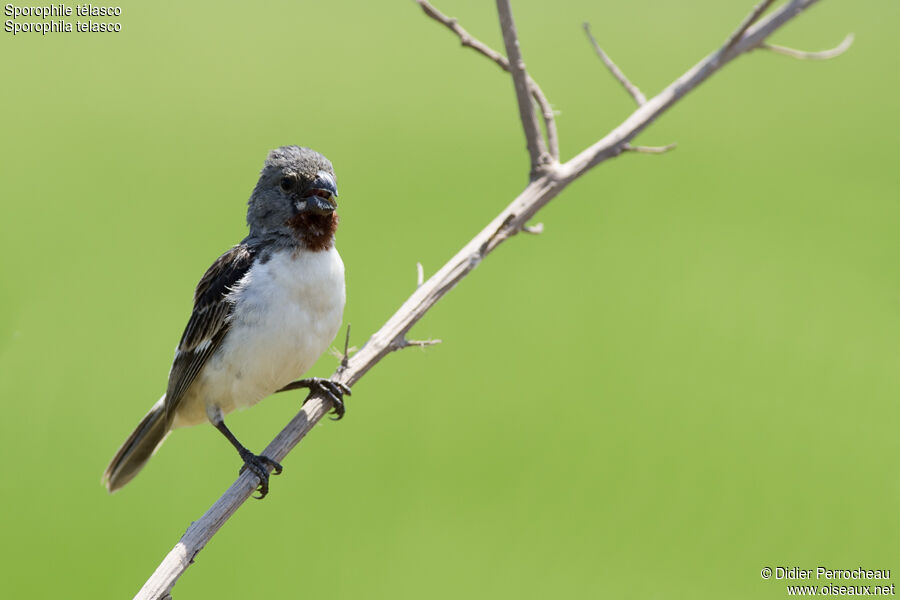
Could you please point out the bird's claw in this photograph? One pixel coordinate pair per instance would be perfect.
(259, 466)
(333, 389)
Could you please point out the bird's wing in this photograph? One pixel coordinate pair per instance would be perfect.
(209, 321)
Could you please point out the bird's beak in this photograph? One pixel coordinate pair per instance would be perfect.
(319, 196)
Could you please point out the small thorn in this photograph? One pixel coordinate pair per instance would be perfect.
(536, 229)
(346, 358)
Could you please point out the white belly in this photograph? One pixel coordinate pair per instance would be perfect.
(287, 312)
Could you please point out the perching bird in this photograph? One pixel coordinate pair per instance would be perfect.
(263, 314)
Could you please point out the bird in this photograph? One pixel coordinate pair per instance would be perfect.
(263, 313)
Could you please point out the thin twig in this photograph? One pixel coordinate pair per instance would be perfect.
(341, 356)
(464, 36)
(405, 343)
(650, 149)
(536, 229)
(469, 41)
(346, 357)
(615, 70)
(420, 274)
(749, 20)
(803, 55)
(510, 221)
(533, 140)
(640, 119)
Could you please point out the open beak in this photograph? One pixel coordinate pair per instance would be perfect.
(319, 197)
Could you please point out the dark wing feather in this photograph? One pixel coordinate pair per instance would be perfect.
(208, 323)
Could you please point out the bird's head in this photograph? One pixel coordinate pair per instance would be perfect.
(297, 195)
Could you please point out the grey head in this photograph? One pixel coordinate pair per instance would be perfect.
(295, 197)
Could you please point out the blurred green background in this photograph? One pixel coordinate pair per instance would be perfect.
(692, 374)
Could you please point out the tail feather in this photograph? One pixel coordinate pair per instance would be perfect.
(138, 448)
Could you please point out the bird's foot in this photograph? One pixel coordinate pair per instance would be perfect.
(259, 466)
(335, 390)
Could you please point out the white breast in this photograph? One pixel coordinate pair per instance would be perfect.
(287, 311)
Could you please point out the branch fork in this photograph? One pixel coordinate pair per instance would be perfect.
(541, 155)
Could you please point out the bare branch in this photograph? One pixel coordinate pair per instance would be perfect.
(464, 36)
(616, 71)
(420, 274)
(640, 119)
(402, 343)
(802, 55)
(750, 19)
(419, 343)
(649, 149)
(533, 140)
(470, 42)
(392, 335)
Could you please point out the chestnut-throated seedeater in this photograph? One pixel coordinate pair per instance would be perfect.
(263, 314)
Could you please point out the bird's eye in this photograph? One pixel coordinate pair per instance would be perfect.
(288, 182)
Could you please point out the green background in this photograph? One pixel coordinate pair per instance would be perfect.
(692, 374)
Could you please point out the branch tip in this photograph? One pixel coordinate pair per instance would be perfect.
(615, 70)
(803, 55)
(650, 149)
(536, 229)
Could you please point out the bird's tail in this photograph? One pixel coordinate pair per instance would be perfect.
(138, 448)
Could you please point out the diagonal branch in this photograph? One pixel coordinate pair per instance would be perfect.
(392, 334)
(803, 55)
(536, 148)
(616, 71)
(640, 119)
(471, 42)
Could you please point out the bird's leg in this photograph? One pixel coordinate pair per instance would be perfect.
(333, 389)
(257, 463)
